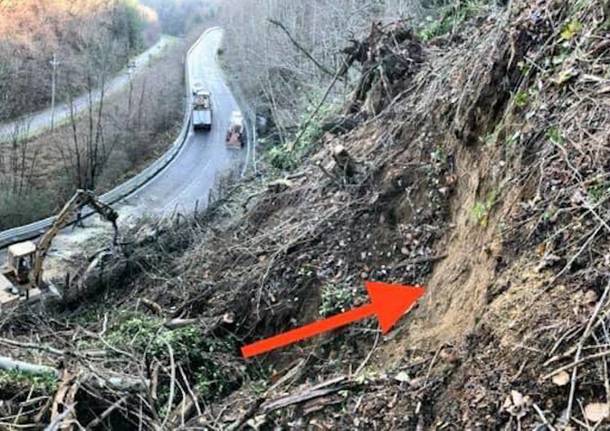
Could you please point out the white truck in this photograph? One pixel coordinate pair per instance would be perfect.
(202, 110)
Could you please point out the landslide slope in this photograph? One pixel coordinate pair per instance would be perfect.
(474, 164)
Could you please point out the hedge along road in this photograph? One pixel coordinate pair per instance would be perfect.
(34, 124)
(185, 175)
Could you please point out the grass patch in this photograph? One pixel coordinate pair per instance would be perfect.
(571, 29)
(482, 209)
(522, 99)
(451, 17)
(195, 351)
(40, 383)
(336, 298)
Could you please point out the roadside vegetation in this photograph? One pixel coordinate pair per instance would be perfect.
(90, 39)
(287, 57)
(469, 158)
(99, 150)
(114, 139)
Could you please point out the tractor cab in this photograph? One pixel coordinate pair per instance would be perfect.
(20, 261)
(15, 280)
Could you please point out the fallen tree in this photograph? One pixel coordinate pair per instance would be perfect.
(117, 383)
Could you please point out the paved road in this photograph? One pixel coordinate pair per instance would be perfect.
(193, 173)
(38, 122)
(184, 183)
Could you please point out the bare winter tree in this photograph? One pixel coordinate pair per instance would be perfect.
(81, 160)
(286, 53)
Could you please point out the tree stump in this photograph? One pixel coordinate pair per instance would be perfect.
(345, 164)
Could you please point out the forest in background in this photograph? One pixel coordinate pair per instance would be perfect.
(179, 17)
(284, 54)
(91, 39)
(115, 139)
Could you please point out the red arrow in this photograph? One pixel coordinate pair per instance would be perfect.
(388, 302)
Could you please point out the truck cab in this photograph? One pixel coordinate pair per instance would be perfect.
(202, 110)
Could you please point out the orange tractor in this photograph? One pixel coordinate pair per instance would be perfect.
(236, 134)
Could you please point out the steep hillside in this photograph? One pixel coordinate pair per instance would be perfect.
(471, 159)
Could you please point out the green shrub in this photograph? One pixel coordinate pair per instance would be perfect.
(481, 209)
(336, 298)
(598, 191)
(555, 136)
(521, 99)
(43, 383)
(201, 354)
(289, 157)
(571, 29)
(280, 157)
(452, 16)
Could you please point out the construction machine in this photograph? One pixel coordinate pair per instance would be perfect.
(21, 278)
(235, 135)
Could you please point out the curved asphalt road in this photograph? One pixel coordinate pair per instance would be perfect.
(191, 176)
(39, 122)
(184, 183)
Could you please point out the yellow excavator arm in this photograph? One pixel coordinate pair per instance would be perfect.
(72, 208)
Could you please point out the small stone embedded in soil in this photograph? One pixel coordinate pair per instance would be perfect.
(417, 382)
(561, 379)
(596, 412)
(516, 404)
(517, 398)
(590, 297)
(402, 377)
(449, 355)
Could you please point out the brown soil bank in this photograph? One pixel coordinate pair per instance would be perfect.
(479, 169)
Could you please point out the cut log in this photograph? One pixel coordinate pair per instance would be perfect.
(179, 323)
(62, 411)
(122, 383)
(320, 390)
(25, 367)
(152, 306)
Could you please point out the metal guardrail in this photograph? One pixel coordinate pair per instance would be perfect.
(33, 230)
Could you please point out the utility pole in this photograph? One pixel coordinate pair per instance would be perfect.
(54, 64)
(131, 69)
